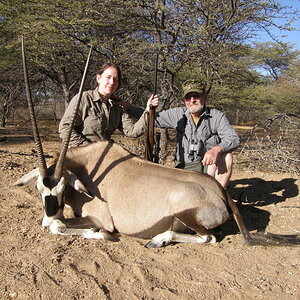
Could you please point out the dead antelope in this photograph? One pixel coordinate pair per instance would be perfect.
(112, 190)
(133, 197)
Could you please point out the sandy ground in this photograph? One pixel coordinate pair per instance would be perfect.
(38, 265)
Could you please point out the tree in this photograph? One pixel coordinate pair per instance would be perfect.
(10, 81)
(283, 95)
(274, 58)
(204, 39)
(10, 91)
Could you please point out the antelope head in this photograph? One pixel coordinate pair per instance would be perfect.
(51, 182)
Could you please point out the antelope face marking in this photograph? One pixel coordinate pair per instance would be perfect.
(52, 193)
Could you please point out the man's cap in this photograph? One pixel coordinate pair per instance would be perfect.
(193, 86)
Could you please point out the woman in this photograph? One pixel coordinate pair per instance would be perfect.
(99, 115)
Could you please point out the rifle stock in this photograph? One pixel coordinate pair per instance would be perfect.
(150, 135)
(150, 155)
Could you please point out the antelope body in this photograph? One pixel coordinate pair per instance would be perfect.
(135, 197)
(142, 199)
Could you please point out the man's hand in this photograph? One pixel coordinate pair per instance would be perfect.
(211, 156)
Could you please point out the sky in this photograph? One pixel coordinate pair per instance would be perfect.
(292, 37)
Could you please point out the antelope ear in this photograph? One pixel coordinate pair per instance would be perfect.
(25, 179)
(77, 184)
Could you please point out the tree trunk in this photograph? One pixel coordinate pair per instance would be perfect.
(4, 116)
(163, 145)
(237, 117)
(66, 94)
(3, 121)
(64, 86)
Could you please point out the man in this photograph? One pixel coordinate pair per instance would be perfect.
(204, 136)
(205, 139)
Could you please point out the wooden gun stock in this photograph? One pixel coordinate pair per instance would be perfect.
(150, 155)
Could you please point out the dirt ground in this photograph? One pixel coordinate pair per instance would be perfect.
(38, 265)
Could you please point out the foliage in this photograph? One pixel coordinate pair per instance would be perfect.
(281, 96)
(274, 58)
(204, 39)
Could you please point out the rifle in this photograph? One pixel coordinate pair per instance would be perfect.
(150, 143)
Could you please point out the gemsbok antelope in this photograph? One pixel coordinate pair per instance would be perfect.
(112, 190)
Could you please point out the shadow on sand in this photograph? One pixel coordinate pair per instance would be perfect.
(254, 193)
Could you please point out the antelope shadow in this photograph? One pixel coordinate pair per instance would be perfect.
(252, 194)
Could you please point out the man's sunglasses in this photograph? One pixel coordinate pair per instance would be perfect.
(197, 96)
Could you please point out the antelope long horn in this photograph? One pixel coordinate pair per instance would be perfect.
(59, 165)
(41, 158)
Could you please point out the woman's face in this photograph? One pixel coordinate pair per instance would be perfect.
(108, 82)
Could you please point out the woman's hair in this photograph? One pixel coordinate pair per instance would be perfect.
(108, 65)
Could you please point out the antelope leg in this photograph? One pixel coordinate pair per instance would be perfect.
(58, 227)
(168, 237)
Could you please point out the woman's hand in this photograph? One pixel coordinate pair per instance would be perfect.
(152, 102)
